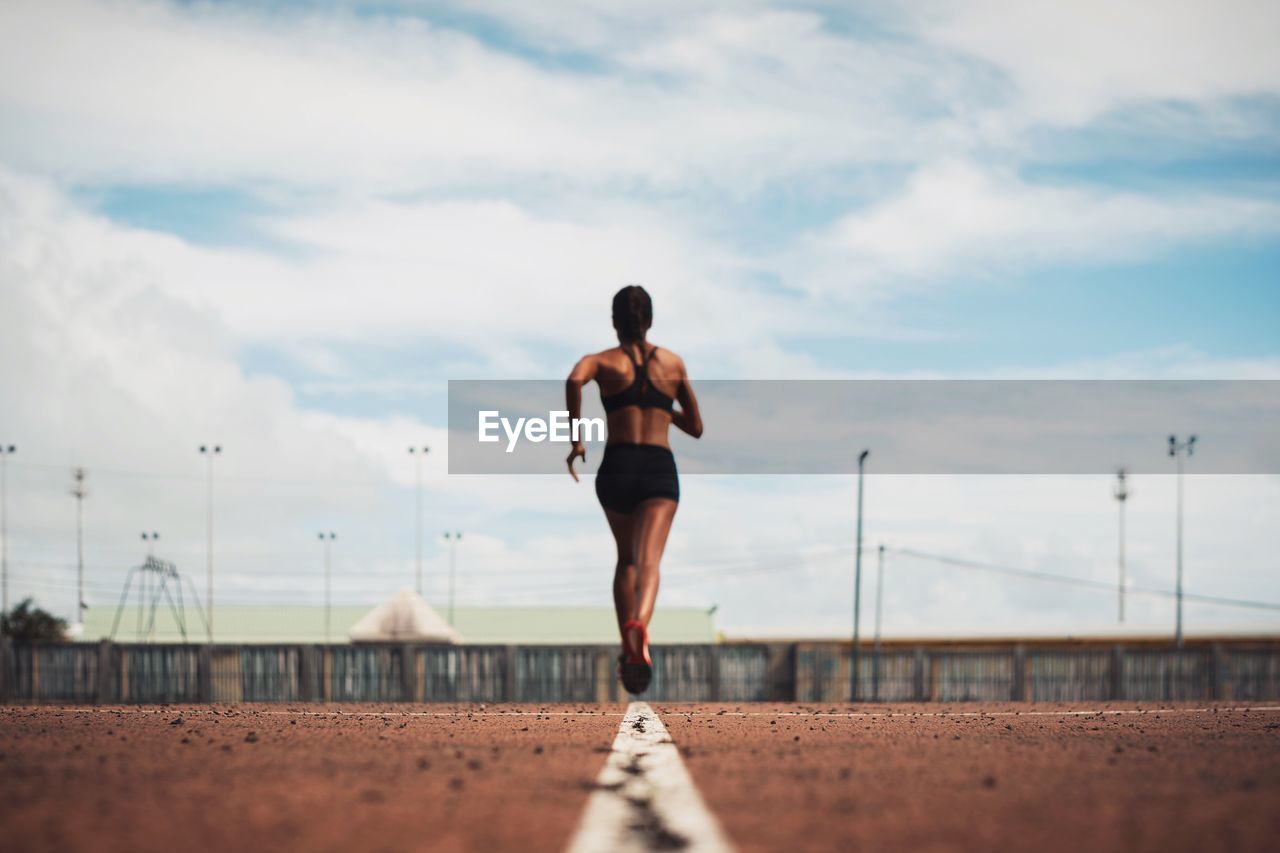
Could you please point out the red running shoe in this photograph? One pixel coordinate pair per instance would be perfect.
(635, 667)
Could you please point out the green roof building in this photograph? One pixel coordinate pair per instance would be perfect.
(477, 625)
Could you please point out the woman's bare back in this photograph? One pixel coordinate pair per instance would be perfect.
(616, 371)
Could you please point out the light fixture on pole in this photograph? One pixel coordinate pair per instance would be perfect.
(209, 451)
(326, 539)
(1121, 494)
(857, 587)
(453, 540)
(1179, 450)
(6, 450)
(417, 453)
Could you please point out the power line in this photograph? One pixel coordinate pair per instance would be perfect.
(1032, 574)
(134, 473)
(525, 580)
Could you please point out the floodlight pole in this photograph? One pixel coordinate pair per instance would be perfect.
(417, 454)
(1178, 450)
(857, 587)
(875, 669)
(326, 540)
(453, 540)
(1121, 495)
(78, 491)
(6, 450)
(209, 451)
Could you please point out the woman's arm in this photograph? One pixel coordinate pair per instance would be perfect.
(688, 418)
(583, 372)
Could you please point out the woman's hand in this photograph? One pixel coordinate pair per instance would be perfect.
(584, 371)
(577, 450)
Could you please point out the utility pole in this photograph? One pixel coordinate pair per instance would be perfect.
(326, 541)
(417, 453)
(1121, 495)
(1178, 450)
(6, 450)
(857, 587)
(875, 670)
(150, 539)
(209, 451)
(453, 540)
(79, 491)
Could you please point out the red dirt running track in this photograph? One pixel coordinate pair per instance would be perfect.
(777, 777)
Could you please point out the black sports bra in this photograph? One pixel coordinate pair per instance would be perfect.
(640, 392)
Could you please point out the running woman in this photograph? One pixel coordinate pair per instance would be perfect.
(637, 483)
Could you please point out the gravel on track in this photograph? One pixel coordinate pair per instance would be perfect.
(273, 777)
(1036, 779)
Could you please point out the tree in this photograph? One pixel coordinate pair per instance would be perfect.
(29, 623)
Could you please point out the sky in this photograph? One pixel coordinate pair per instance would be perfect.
(282, 228)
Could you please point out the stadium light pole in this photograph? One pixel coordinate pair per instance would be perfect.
(875, 669)
(326, 540)
(6, 450)
(857, 587)
(1179, 450)
(417, 453)
(209, 451)
(453, 540)
(1121, 495)
(79, 491)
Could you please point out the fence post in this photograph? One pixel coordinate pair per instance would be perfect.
(1218, 672)
(713, 672)
(305, 678)
(780, 672)
(917, 687)
(104, 690)
(1117, 672)
(408, 674)
(607, 662)
(509, 675)
(204, 673)
(1019, 673)
(6, 668)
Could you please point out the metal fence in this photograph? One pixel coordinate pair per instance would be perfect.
(804, 672)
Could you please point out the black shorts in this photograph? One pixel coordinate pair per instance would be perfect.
(631, 473)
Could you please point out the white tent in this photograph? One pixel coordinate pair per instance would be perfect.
(405, 616)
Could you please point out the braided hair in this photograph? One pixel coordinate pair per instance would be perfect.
(632, 312)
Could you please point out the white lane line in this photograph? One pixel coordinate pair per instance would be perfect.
(645, 798)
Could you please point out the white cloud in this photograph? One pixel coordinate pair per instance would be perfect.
(486, 280)
(211, 93)
(955, 218)
(1073, 62)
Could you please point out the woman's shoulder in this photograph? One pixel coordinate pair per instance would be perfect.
(667, 358)
(616, 356)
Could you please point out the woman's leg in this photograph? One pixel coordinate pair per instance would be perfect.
(624, 572)
(652, 524)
